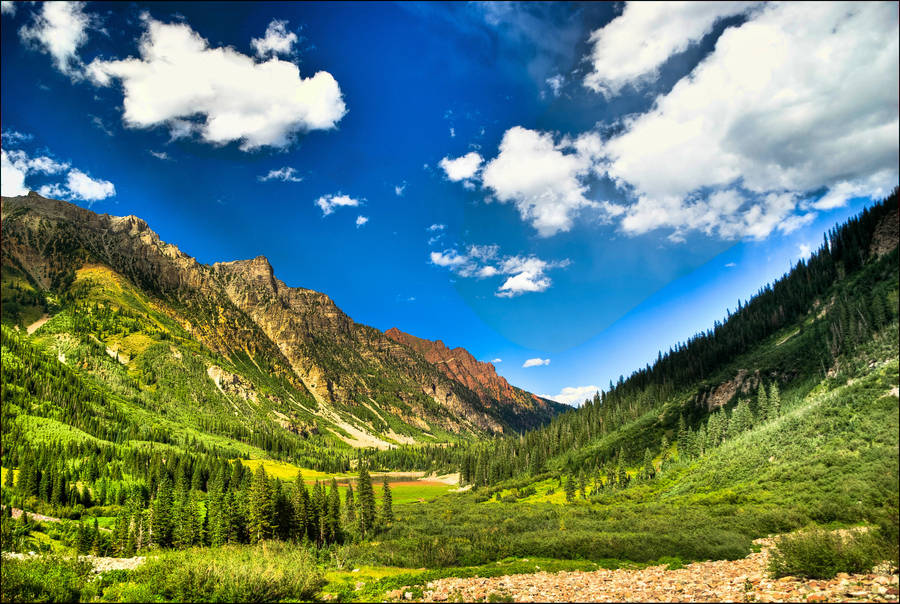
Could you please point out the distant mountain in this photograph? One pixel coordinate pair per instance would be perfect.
(270, 359)
(480, 377)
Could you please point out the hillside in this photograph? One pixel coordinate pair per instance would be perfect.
(227, 353)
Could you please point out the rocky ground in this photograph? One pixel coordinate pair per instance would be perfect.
(745, 580)
(101, 564)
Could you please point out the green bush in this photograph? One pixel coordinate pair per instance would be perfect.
(43, 579)
(267, 572)
(822, 554)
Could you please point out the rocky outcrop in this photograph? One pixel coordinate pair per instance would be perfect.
(481, 377)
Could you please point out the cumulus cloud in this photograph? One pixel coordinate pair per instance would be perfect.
(219, 94)
(805, 250)
(8, 7)
(285, 174)
(12, 176)
(573, 395)
(81, 186)
(59, 29)
(791, 101)
(436, 227)
(535, 362)
(496, 360)
(399, 189)
(631, 48)
(544, 179)
(361, 220)
(462, 168)
(276, 41)
(328, 203)
(524, 274)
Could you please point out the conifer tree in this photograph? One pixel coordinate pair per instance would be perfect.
(649, 470)
(301, 509)
(333, 523)
(774, 400)
(387, 503)
(366, 501)
(261, 508)
(161, 519)
(95, 544)
(570, 489)
(349, 507)
(762, 403)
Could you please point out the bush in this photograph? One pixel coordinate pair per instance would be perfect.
(267, 572)
(822, 554)
(43, 579)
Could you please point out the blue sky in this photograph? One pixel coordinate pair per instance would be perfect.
(578, 185)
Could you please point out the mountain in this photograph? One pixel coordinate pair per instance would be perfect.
(479, 376)
(275, 360)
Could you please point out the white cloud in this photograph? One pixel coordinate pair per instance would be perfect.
(361, 220)
(328, 203)
(437, 227)
(17, 166)
(399, 189)
(461, 168)
(285, 174)
(81, 186)
(556, 83)
(535, 362)
(496, 360)
(277, 40)
(542, 179)
(524, 273)
(12, 137)
(805, 250)
(8, 7)
(59, 29)
(452, 132)
(791, 101)
(160, 155)
(218, 93)
(12, 177)
(450, 258)
(731, 265)
(631, 48)
(573, 395)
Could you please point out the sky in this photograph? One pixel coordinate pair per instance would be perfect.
(563, 189)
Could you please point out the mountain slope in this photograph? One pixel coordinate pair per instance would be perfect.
(288, 357)
(480, 377)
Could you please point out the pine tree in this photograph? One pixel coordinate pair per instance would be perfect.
(387, 503)
(762, 403)
(649, 470)
(333, 523)
(161, 520)
(349, 507)
(774, 400)
(79, 539)
(301, 509)
(261, 508)
(570, 489)
(95, 544)
(366, 501)
(682, 437)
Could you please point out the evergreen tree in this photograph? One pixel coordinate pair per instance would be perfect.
(261, 509)
(762, 403)
(387, 503)
(774, 400)
(161, 519)
(570, 489)
(301, 509)
(366, 501)
(349, 507)
(649, 470)
(333, 522)
(95, 543)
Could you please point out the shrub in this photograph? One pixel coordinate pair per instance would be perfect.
(822, 554)
(271, 571)
(43, 579)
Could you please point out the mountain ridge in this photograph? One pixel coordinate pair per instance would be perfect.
(359, 379)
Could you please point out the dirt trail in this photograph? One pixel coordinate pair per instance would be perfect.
(36, 325)
(101, 564)
(743, 580)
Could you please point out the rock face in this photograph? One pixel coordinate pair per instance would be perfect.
(480, 377)
(363, 381)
